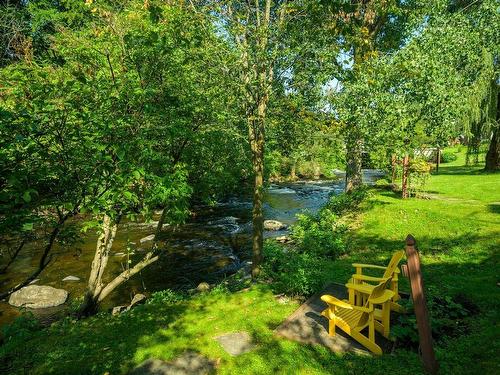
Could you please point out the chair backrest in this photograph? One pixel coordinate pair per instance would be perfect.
(391, 267)
(379, 289)
(376, 292)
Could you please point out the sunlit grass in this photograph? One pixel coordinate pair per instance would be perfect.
(457, 231)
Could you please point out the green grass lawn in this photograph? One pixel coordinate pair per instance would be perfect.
(457, 232)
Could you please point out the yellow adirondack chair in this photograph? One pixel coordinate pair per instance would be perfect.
(359, 287)
(353, 319)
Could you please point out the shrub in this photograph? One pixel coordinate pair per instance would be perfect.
(346, 202)
(166, 296)
(322, 234)
(319, 234)
(448, 316)
(292, 272)
(15, 337)
(309, 169)
(448, 156)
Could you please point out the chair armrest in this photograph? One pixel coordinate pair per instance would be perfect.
(366, 278)
(331, 300)
(361, 265)
(388, 294)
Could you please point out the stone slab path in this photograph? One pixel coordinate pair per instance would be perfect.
(306, 325)
(236, 343)
(189, 363)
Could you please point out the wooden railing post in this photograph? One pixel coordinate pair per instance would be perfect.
(420, 305)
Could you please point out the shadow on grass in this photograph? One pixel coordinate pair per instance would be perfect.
(461, 170)
(94, 345)
(474, 280)
(494, 208)
(117, 345)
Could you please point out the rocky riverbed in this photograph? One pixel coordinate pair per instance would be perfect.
(213, 244)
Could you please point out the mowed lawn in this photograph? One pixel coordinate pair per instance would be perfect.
(457, 231)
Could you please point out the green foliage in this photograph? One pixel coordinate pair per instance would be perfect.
(345, 203)
(21, 328)
(322, 234)
(458, 249)
(448, 157)
(420, 172)
(166, 296)
(15, 337)
(302, 147)
(292, 272)
(319, 235)
(448, 319)
(433, 88)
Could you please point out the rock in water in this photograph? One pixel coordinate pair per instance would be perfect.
(151, 237)
(273, 225)
(38, 297)
(283, 239)
(138, 298)
(71, 278)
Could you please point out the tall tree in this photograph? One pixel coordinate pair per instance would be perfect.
(368, 29)
(492, 161)
(111, 122)
(255, 29)
(268, 37)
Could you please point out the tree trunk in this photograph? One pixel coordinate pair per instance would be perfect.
(493, 154)
(257, 145)
(96, 291)
(393, 166)
(438, 159)
(353, 176)
(256, 76)
(404, 185)
(95, 286)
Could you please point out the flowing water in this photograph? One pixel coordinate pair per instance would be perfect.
(214, 243)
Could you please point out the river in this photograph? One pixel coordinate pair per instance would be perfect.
(213, 244)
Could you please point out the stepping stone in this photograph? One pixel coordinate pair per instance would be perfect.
(189, 363)
(236, 343)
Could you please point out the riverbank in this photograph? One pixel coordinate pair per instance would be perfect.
(212, 244)
(458, 235)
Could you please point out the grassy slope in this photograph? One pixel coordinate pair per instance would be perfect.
(457, 233)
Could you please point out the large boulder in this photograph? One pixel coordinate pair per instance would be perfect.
(273, 225)
(38, 297)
